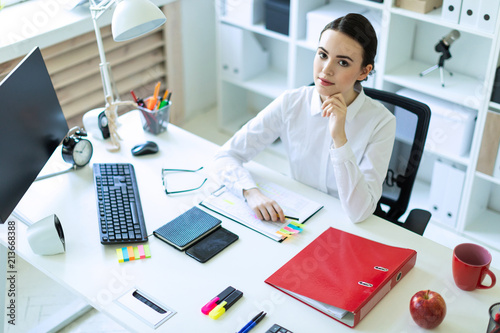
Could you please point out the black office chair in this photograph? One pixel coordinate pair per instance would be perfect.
(405, 159)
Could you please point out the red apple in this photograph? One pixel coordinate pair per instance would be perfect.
(427, 308)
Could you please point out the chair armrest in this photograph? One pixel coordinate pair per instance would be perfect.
(417, 221)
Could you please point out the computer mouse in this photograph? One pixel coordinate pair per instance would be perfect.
(149, 147)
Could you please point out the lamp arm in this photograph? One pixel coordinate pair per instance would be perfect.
(97, 9)
(107, 83)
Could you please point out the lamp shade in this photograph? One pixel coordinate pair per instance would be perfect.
(133, 18)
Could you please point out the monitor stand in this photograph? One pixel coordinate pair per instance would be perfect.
(56, 173)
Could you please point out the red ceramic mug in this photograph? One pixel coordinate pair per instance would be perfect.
(471, 264)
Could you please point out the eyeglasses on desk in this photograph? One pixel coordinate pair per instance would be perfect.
(173, 190)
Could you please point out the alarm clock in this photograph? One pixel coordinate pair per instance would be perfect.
(75, 149)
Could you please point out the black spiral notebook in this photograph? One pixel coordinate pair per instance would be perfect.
(187, 228)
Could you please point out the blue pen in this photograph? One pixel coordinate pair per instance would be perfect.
(252, 323)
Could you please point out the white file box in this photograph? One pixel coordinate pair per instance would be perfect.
(451, 10)
(488, 14)
(451, 126)
(318, 18)
(446, 193)
(470, 13)
(241, 55)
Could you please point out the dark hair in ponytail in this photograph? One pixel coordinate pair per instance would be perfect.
(361, 30)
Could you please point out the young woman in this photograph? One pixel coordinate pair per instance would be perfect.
(337, 139)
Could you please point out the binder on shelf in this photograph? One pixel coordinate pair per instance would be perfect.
(446, 193)
(496, 172)
(488, 13)
(293, 204)
(453, 197)
(469, 13)
(277, 17)
(351, 274)
(495, 94)
(438, 186)
(419, 6)
(451, 10)
(489, 144)
(242, 57)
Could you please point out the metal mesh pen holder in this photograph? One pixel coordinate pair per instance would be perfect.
(155, 121)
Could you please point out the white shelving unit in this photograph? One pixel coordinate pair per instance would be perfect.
(406, 48)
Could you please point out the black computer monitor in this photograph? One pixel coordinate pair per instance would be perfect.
(32, 125)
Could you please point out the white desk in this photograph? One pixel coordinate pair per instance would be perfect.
(92, 271)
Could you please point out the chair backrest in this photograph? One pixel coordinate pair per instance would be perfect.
(412, 118)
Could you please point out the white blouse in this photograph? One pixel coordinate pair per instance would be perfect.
(354, 172)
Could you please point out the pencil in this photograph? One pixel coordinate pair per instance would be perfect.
(291, 218)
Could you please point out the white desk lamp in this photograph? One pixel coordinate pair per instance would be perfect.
(131, 18)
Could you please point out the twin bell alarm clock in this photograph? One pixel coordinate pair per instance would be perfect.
(76, 149)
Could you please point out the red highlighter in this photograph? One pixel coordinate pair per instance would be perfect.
(217, 300)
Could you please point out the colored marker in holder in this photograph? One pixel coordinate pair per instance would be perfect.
(130, 253)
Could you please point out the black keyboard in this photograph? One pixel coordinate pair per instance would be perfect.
(118, 204)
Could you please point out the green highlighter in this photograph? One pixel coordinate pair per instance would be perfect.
(165, 101)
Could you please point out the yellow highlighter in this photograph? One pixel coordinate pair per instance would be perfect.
(220, 309)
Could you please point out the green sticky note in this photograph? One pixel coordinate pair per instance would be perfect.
(285, 231)
(136, 253)
(297, 224)
(146, 250)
